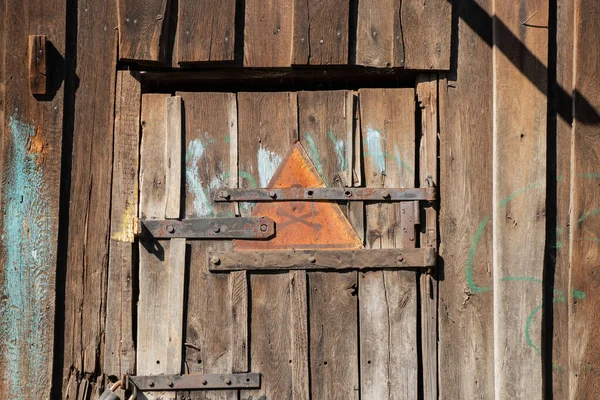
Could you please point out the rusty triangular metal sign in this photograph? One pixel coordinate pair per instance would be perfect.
(301, 225)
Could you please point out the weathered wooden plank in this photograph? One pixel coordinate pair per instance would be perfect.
(90, 190)
(560, 157)
(299, 335)
(321, 32)
(267, 126)
(31, 135)
(159, 348)
(584, 345)
(268, 33)
(142, 29)
(466, 359)
(519, 182)
(333, 335)
(174, 150)
(379, 40)
(205, 31)
(388, 299)
(413, 34)
(119, 350)
(37, 64)
(210, 136)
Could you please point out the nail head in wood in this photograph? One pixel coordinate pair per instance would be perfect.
(37, 64)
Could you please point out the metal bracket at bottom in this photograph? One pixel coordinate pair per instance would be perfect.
(197, 382)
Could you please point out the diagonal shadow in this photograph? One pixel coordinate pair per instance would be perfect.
(523, 59)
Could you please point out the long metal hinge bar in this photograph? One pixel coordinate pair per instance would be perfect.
(322, 259)
(209, 228)
(197, 381)
(329, 194)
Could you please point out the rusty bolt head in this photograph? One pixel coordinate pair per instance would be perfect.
(171, 384)
(225, 194)
(312, 259)
(215, 260)
(263, 227)
(228, 381)
(216, 229)
(309, 193)
(400, 258)
(385, 194)
(151, 383)
(348, 193)
(205, 382)
(272, 194)
(170, 228)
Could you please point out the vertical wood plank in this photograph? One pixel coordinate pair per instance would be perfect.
(90, 190)
(321, 32)
(299, 335)
(413, 34)
(323, 127)
(427, 89)
(584, 345)
(426, 33)
(119, 351)
(205, 31)
(214, 301)
(560, 156)
(379, 40)
(37, 64)
(268, 33)
(267, 126)
(31, 134)
(161, 282)
(519, 182)
(142, 30)
(173, 148)
(466, 355)
(387, 306)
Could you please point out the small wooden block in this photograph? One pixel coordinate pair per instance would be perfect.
(37, 64)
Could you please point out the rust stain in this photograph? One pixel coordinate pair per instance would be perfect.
(37, 146)
(302, 224)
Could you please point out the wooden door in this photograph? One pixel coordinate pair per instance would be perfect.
(321, 334)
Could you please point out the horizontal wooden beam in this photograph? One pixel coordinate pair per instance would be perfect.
(322, 259)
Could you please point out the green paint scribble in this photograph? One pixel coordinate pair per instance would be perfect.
(577, 294)
(249, 178)
(472, 286)
(591, 239)
(400, 162)
(314, 156)
(521, 278)
(589, 176)
(588, 215)
(518, 192)
(528, 327)
(228, 138)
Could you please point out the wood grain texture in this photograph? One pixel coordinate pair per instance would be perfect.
(37, 64)
(426, 33)
(299, 335)
(142, 26)
(205, 31)
(584, 346)
(388, 299)
(174, 150)
(379, 39)
(31, 134)
(210, 126)
(267, 126)
(158, 350)
(466, 355)
(90, 191)
(119, 350)
(519, 183)
(559, 245)
(321, 32)
(427, 98)
(333, 335)
(268, 33)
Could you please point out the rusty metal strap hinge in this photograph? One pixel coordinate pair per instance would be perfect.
(197, 382)
(325, 193)
(209, 228)
(322, 259)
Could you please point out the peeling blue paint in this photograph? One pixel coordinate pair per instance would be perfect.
(202, 204)
(268, 162)
(29, 257)
(340, 151)
(374, 142)
(313, 154)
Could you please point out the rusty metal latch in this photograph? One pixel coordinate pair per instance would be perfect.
(197, 382)
(209, 228)
(325, 193)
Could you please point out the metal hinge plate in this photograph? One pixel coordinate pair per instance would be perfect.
(209, 228)
(197, 382)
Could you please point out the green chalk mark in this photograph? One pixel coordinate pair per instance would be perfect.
(249, 178)
(588, 215)
(314, 156)
(472, 286)
(228, 138)
(521, 278)
(516, 193)
(577, 294)
(338, 145)
(589, 176)
(528, 327)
